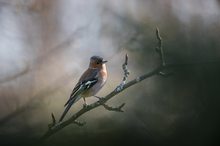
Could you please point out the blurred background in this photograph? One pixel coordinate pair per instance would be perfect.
(45, 45)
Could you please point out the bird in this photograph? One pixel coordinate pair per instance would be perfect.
(89, 84)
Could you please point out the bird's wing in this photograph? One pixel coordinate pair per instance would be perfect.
(76, 94)
(86, 81)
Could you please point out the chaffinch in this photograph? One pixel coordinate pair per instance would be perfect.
(91, 81)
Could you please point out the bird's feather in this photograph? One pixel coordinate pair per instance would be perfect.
(76, 95)
(86, 81)
(80, 89)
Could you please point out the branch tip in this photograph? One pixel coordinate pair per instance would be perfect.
(159, 48)
(53, 118)
(51, 125)
(126, 59)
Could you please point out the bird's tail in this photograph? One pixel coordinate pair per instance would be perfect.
(65, 112)
(67, 109)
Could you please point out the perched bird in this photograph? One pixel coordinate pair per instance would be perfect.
(91, 81)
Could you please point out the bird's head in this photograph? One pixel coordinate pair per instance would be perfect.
(97, 62)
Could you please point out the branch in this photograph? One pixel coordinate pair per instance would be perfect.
(53, 121)
(103, 100)
(159, 48)
(117, 109)
(126, 73)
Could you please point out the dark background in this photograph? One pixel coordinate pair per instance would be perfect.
(46, 44)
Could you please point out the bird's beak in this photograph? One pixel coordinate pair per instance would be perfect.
(104, 61)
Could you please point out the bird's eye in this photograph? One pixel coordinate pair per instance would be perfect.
(97, 63)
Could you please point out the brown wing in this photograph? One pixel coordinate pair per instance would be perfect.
(88, 75)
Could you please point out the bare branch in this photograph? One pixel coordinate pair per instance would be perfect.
(120, 88)
(126, 73)
(125, 69)
(53, 118)
(53, 121)
(116, 109)
(159, 48)
(62, 125)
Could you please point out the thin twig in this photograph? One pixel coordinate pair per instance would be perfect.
(125, 69)
(159, 48)
(116, 109)
(126, 73)
(53, 121)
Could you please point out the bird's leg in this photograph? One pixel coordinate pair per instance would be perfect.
(84, 104)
